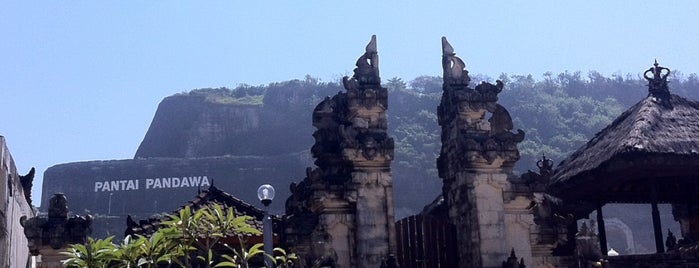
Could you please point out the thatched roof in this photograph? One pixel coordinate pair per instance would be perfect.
(655, 140)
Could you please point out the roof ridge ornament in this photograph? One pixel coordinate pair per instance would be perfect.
(657, 84)
(545, 165)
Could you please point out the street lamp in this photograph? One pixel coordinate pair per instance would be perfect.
(266, 193)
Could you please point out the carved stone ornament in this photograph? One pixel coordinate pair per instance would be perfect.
(657, 83)
(367, 71)
(469, 140)
(57, 230)
(454, 68)
(537, 182)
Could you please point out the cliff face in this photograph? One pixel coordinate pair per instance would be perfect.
(192, 126)
(204, 123)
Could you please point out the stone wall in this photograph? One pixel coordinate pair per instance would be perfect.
(14, 203)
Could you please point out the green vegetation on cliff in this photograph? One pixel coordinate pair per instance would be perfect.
(242, 95)
(559, 113)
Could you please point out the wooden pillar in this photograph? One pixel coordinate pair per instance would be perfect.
(601, 230)
(657, 228)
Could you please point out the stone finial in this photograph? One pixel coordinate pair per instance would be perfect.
(454, 68)
(657, 83)
(479, 142)
(367, 71)
(447, 49)
(371, 46)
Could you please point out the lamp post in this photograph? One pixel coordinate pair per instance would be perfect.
(109, 207)
(266, 193)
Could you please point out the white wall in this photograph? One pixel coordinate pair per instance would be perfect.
(13, 205)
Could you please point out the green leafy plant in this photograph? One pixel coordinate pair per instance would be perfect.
(186, 239)
(201, 231)
(240, 257)
(159, 248)
(129, 252)
(94, 254)
(282, 259)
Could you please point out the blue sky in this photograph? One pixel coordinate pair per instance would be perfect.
(81, 80)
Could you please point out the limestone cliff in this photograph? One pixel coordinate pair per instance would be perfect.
(210, 122)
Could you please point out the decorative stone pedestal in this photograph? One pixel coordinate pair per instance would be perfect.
(60, 229)
(51, 258)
